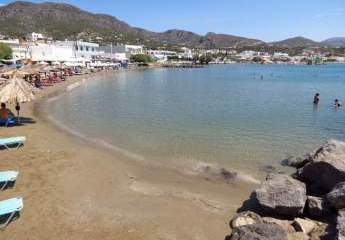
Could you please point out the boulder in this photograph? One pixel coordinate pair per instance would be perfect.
(317, 207)
(336, 197)
(258, 232)
(325, 231)
(298, 236)
(341, 225)
(245, 218)
(327, 167)
(304, 225)
(281, 195)
(296, 162)
(285, 224)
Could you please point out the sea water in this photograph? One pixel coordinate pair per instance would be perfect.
(240, 116)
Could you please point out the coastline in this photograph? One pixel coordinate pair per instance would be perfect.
(73, 190)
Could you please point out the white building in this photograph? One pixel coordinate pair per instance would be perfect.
(118, 57)
(161, 55)
(186, 53)
(67, 51)
(128, 49)
(108, 53)
(38, 37)
(19, 51)
(84, 49)
(280, 55)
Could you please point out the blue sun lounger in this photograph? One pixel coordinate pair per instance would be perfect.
(7, 177)
(7, 121)
(14, 141)
(10, 207)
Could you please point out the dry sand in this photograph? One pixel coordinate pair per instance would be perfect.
(73, 190)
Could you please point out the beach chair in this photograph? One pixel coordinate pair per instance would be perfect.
(8, 210)
(7, 121)
(6, 178)
(14, 141)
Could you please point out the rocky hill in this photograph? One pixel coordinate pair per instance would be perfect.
(296, 42)
(335, 42)
(62, 21)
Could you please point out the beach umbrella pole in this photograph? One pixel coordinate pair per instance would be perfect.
(18, 110)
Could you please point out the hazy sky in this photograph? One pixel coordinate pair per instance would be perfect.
(264, 19)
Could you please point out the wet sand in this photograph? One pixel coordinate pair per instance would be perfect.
(74, 190)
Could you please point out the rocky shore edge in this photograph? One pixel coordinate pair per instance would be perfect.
(307, 205)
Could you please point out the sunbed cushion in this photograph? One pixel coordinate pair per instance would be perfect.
(11, 205)
(11, 141)
(8, 176)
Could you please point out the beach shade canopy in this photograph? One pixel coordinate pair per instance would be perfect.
(32, 69)
(17, 90)
(14, 72)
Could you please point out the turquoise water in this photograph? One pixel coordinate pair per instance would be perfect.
(224, 114)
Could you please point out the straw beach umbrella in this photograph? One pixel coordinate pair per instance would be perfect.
(14, 72)
(17, 91)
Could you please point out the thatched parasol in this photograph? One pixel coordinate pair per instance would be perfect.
(17, 91)
(14, 72)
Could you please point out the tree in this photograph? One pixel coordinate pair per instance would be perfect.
(141, 58)
(205, 59)
(257, 59)
(5, 51)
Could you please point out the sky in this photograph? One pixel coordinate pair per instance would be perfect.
(268, 20)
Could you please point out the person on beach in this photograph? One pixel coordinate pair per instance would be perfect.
(5, 112)
(316, 99)
(337, 103)
(6, 116)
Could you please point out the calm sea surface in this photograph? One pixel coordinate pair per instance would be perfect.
(224, 114)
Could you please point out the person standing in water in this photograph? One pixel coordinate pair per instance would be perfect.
(337, 103)
(316, 99)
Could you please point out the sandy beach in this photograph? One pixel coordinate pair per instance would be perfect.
(74, 190)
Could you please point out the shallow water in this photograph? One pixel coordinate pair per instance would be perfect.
(224, 114)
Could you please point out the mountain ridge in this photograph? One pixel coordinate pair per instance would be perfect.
(51, 18)
(335, 42)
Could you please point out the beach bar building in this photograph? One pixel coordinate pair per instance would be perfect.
(128, 50)
(65, 51)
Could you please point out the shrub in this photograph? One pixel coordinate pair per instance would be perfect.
(5, 51)
(141, 58)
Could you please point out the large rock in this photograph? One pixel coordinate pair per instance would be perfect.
(327, 167)
(298, 236)
(341, 226)
(337, 196)
(245, 218)
(296, 162)
(259, 232)
(285, 224)
(318, 207)
(281, 195)
(304, 225)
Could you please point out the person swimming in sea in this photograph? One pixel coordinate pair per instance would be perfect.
(316, 99)
(337, 103)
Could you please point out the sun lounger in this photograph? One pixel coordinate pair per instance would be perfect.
(14, 141)
(6, 178)
(10, 207)
(7, 121)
